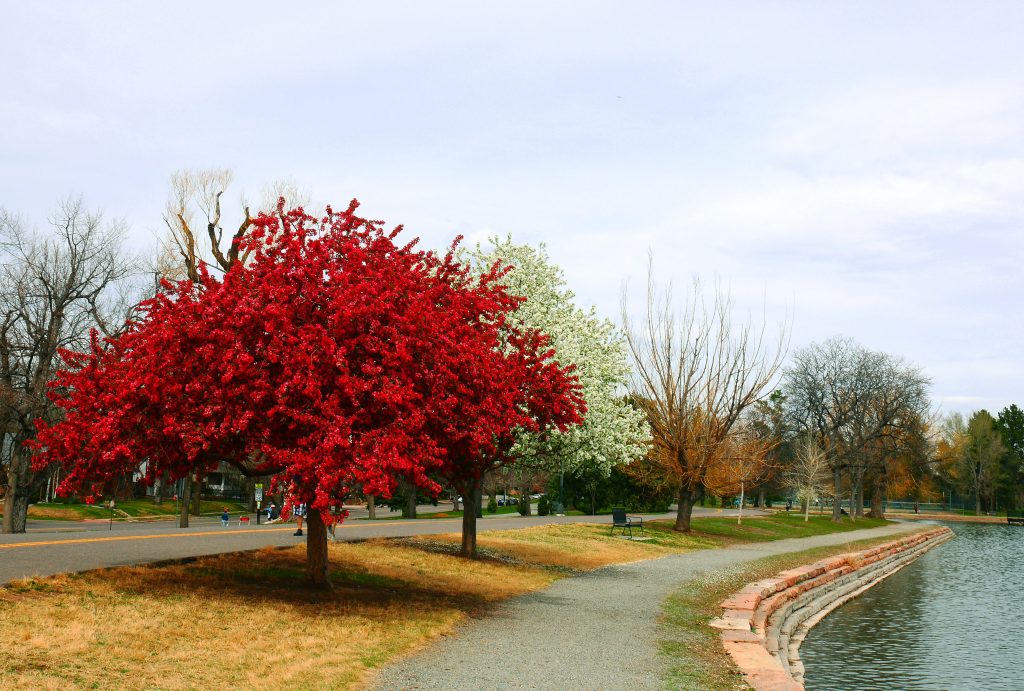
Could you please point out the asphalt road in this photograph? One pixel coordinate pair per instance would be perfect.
(61, 546)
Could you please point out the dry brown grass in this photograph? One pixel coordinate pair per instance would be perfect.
(53, 512)
(578, 546)
(248, 619)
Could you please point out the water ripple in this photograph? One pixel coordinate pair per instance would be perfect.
(954, 619)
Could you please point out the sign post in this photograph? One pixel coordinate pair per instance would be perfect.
(259, 500)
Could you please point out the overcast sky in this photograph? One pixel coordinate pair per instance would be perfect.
(859, 165)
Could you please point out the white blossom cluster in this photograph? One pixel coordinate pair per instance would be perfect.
(613, 431)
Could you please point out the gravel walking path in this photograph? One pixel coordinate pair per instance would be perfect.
(595, 631)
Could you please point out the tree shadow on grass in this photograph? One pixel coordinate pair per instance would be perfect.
(268, 576)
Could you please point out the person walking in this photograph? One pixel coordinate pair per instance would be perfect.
(300, 512)
(225, 517)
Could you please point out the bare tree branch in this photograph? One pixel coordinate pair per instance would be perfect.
(696, 372)
(54, 288)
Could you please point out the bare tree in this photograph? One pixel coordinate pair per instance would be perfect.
(808, 475)
(902, 459)
(851, 399)
(823, 396)
(897, 404)
(202, 191)
(695, 373)
(768, 419)
(199, 194)
(54, 289)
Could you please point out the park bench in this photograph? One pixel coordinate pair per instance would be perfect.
(621, 520)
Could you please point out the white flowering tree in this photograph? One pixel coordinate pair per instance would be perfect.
(613, 431)
(808, 475)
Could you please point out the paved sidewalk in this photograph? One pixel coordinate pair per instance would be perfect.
(596, 631)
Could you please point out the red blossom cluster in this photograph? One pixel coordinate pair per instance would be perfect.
(334, 357)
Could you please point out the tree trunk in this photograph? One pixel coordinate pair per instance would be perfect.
(877, 500)
(249, 493)
(807, 510)
(371, 505)
(471, 497)
(739, 516)
(197, 494)
(837, 482)
(524, 499)
(18, 485)
(977, 500)
(158, 483)
(761, 498)
(853, 494)
(15, 511)
(860, 495)
(186, 501)
(317, 566)
(684, 509)
(410, 501)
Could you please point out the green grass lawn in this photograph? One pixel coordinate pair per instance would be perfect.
(453, 514)
(776, 527)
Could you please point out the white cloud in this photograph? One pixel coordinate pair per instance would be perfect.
(902, 124)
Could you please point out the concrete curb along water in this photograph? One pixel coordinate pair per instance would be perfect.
(763, 624)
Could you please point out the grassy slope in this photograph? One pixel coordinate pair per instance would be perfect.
(776, 527)
(135, 508)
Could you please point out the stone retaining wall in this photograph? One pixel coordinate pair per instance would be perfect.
(763, 624)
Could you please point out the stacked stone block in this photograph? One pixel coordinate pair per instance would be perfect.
(763, 624)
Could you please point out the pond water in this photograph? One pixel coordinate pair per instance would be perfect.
(953, 619)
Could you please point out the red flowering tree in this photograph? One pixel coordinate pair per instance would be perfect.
(335, 357)
(527, 391)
